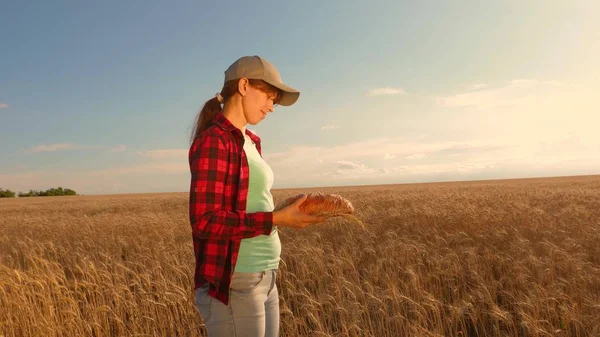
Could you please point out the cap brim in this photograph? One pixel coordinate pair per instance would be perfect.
(290, 95)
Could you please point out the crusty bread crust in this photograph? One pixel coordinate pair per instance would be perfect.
(321, 204)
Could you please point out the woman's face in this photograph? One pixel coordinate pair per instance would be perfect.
(257, 104)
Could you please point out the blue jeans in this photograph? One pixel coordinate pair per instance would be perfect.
(253, 309)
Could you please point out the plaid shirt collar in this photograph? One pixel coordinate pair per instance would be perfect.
(224, 123)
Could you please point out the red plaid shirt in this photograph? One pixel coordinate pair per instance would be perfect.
(218, 191)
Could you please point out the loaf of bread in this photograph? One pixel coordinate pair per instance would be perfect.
(321, 204)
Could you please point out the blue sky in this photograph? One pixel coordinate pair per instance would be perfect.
(100, 96)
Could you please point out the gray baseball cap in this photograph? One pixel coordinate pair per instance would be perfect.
(257, 68)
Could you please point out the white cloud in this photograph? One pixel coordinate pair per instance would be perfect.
(415, 156)
(477, 86)
(459, 168)
(2, 105)
(345, 169)
(361, 162)
(153, 168)
(161, 154)
(348, 165)
(71, 146)
(385, 91)
(389, 156)
(375, 149)
(516, 92)
(52, 148)
(330, 127)
(119, 148)
(523, 111)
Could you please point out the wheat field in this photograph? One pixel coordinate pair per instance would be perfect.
(485, 258)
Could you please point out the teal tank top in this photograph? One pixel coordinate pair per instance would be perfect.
(262, 252)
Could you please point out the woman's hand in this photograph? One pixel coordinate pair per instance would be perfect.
(292, 216)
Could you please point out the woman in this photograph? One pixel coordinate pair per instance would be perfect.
(234, 226)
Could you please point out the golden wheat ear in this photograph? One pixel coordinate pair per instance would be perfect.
(352, 219)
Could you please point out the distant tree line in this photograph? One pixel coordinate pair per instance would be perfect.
(33, 193)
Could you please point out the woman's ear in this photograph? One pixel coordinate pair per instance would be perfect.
(243, 84)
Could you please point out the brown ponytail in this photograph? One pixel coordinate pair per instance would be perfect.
(209, 110)
(213, 107)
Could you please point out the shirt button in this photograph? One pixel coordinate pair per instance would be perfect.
(196, 189)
